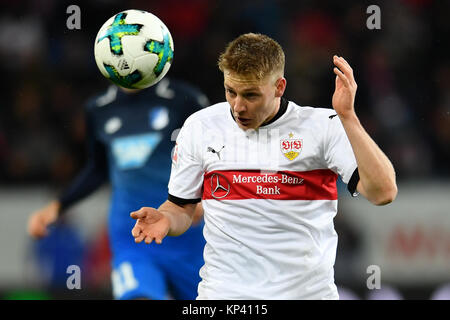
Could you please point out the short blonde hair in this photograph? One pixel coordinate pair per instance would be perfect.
(253, 55)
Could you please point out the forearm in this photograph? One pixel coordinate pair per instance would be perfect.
(87, 181)
(180, 217)
(377, 175)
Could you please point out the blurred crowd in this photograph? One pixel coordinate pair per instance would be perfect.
(402, 71)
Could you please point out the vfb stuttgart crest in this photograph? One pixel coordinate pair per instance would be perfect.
(291, 147)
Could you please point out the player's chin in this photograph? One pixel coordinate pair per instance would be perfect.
(246, 124)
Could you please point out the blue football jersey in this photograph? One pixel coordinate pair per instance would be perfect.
(131, 138)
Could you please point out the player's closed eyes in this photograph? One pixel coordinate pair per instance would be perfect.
(230, 92)
(251, 95)
(248, 96)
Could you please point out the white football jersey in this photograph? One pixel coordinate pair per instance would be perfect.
(269, 199)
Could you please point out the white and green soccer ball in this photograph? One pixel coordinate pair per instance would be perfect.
(134, 49)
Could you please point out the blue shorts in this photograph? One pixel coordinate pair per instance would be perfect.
(151, 272)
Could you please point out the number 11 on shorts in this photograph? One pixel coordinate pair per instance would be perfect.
(123, 279)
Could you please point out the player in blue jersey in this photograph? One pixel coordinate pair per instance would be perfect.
(131, 134)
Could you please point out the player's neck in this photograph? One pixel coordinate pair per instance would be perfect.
(282, 108)
(274, 113)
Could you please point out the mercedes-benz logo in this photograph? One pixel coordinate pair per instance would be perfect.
(220, 187)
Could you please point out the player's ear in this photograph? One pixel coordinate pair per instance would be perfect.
(280, 86)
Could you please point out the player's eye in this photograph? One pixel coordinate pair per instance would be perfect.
(251, 95)
(230, 92)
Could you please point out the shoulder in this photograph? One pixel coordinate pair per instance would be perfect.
(313, 113)
(201, 121)
(208, 115)
(184, 89)
(179, 85)
(102, 99)
(316, 117)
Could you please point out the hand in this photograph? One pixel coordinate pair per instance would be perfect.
(344, 95)
(39, 220)
(150, 225)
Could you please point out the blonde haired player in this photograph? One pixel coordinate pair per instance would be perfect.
(265, 170)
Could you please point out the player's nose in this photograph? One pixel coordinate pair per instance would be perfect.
(239, 105)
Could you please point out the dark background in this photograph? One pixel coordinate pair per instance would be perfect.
(402, 72)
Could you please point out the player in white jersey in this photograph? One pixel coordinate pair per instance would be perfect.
(265, 170)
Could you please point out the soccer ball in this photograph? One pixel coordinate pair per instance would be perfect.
(134, 49)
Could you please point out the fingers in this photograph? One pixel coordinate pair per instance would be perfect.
(38, 233)
(141, 213)
(341, 76)
(139, 238)
(41, 232)
(146, 235)
(37, 228)
(138, 214)
(343, 70)
(342, 64)
(148, 239)
(136, 231)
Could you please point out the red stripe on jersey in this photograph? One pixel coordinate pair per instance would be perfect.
(283, 185)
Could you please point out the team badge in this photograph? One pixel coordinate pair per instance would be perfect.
(291, 147)
(175, 155)
(158, 118)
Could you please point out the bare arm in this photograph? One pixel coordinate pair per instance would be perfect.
(198, 214)
(180, 216)
(169, 219)
(377, 176)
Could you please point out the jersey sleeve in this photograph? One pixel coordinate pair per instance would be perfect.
(186, 176)
(93, 174)
(339, 154)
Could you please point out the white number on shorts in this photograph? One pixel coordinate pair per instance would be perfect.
(123, 279)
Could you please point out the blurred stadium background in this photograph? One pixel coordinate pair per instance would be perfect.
(403, 100)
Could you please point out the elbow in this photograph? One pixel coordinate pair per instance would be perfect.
(386, 196)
